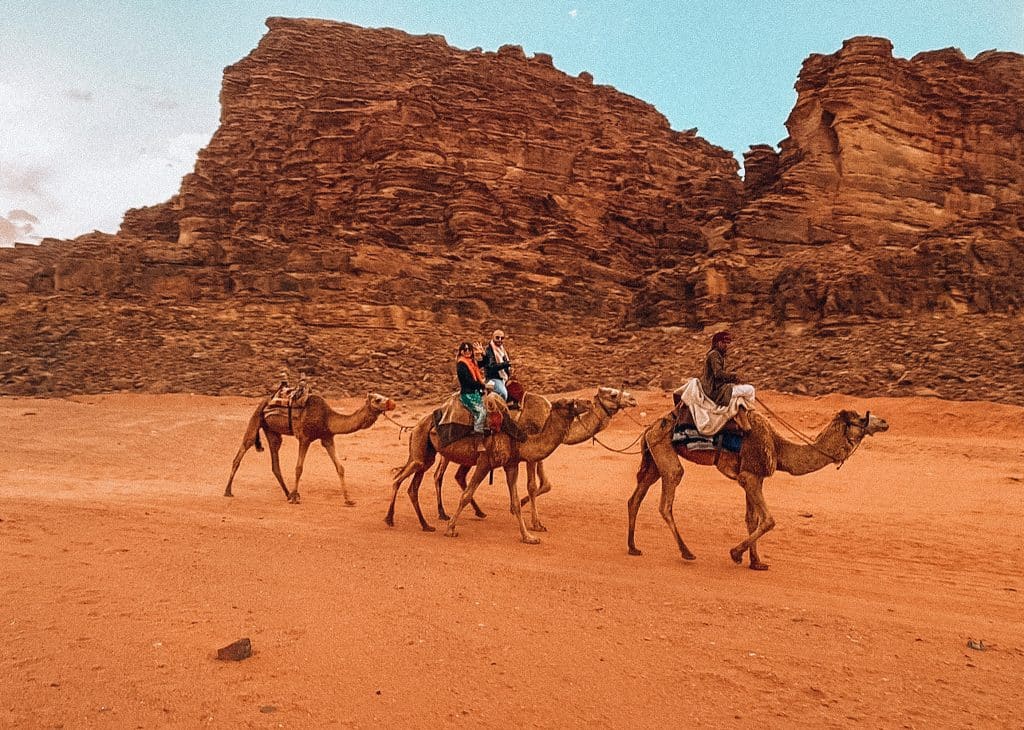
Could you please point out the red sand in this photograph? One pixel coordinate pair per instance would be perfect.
(123, 570)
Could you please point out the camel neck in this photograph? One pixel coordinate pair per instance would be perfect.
(550, 437)
(347, 423)
(587, 425)
(829, 447)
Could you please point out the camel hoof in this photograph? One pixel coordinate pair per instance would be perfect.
(228, 494)
(635, 551)
(441, 516)
(759, 566)
(294, 498)
(531, 540)
(350, 503)
(481, 514)
(428, 528)
(451, 533)
(538, 527)
(687, 555)
(737, 556)
(389, 522)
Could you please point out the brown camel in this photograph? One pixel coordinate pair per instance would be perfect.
(498, 450)
(316, 420)
(762, 453)
(535, 409)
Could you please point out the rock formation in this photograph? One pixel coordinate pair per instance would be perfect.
(899, 189)
(371, 197)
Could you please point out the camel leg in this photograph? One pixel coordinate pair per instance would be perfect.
(303, 448)
(250, 439)
(460, 478)
(669, 482)
(752, 519)
(442, 466)
(752, 485)
(274, 442)
(410, 468)
(512, 476)
(246, 445)
(536, 471)
(328, 444)
(531, 495)
(467, 496)
(414, 497)
(646, 476)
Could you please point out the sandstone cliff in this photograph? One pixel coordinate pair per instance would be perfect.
(372, 197)
(899, 189)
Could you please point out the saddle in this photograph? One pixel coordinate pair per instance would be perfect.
(286, 400)
(686, 437)
(453, 421)
(286, 397)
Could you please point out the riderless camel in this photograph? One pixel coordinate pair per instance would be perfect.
(315, 420)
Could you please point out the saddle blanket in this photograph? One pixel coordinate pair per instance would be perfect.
(452, 421)
(690, 439)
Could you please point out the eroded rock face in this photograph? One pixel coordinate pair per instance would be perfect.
(899, 188)
(371, 198)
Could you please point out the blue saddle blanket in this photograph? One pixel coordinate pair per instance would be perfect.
(689, 438)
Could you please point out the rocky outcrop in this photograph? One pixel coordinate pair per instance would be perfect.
(900, 188)
(371, 198)
(370, 165)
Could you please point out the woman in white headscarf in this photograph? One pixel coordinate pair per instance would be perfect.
(496, 364)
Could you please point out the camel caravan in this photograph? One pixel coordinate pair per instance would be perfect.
(493, 423)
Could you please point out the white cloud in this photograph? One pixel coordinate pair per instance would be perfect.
(16, 226)
(79, 152)
(573, 13)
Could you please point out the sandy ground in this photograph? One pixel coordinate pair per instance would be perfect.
(123, 570)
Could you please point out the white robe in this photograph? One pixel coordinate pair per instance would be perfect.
(708, 416)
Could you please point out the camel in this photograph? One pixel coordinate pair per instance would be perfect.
(762, 453)
(316, 420)
(485, 453)
(605, 404)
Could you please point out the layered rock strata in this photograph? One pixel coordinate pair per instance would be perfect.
(899, 189)
(370, 198)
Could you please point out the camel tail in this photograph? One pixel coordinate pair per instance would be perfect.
(252, 431)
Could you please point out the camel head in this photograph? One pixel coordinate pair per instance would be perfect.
(378, 403)
(572, 407)
(856, 426)
(613, 400)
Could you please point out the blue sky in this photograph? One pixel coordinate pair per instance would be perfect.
(104, 104)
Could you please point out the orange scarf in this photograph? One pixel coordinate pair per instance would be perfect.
(474, 369)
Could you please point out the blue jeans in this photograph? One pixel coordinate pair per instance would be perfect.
(499, 387)
(475, 404)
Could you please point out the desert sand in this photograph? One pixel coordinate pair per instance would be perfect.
(123, 569)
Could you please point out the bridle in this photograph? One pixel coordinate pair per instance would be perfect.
(862, 424)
